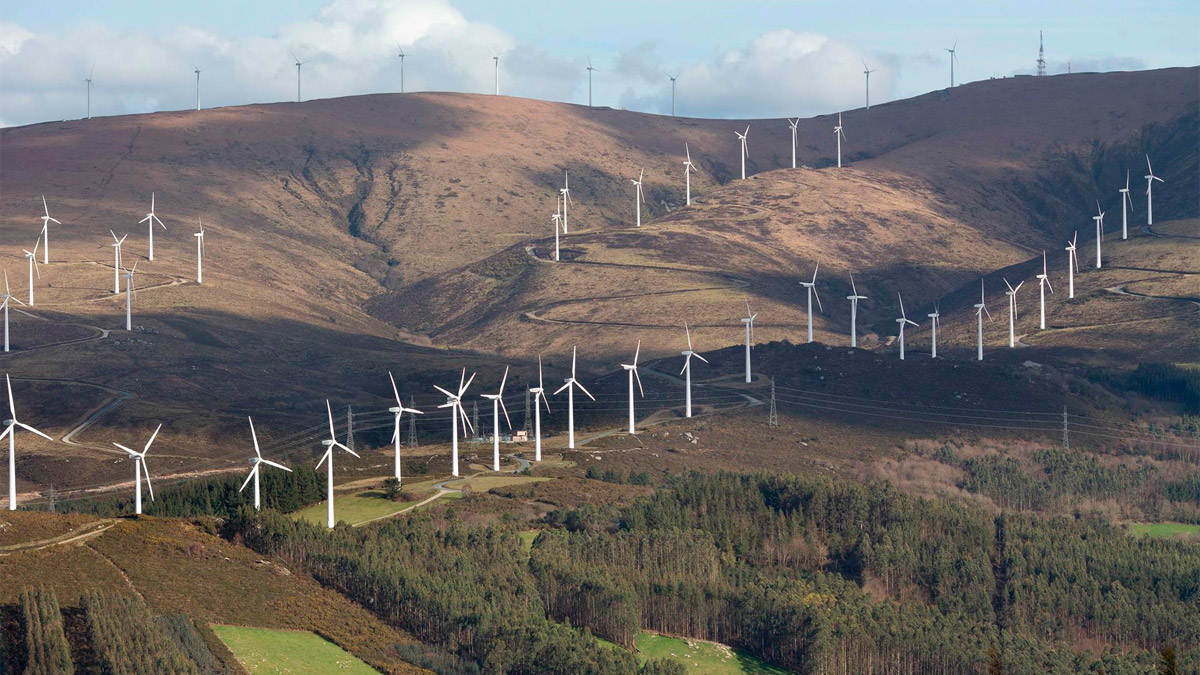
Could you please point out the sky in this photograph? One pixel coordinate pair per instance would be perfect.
(739, 58)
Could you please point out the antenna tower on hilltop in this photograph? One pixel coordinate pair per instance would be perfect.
(1041, 62)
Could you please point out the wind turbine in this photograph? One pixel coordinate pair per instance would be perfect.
(557, 218)
(33, 267)
(497, 400)
(569, 385)
(200, 253)
(811, 288)
(539, 392)
(902, 321)
(129, 296)
(688, 170)
(867, 71)
(256, 463)
(745, 151)
(8, 297)
(839, 135)
(88, 79)
(330, 443)
(749, 323)
(1043, 283)
(935, 318)
(631, 368)
(1012, 312)
(139, 469)
(1150, 178)
(794, 124)
(46, 220)
(399, 410)
(1099, 218)
(496, 58)
(673, 79)
(980, 310)
(10, 430)
(1072, 265)
(197, 69)
(953, 59)
(401, 55)
(687, 368)
(298, 64)
(638, 196)
(565, 191)
(590, 69)
(454, 403)
(854, 297)
(150, 219)
(1126, 201)
(117, 261)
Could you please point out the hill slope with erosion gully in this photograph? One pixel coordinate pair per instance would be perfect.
(350, 236)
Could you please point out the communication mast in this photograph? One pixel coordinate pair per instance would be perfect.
(1041, 62)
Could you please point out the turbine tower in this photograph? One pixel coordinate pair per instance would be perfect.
(398, 410)
(129, 296)
(1043, 283)
(745, 152)
(1126, 201)
(565, 191)
(330, 444)
(139, 470)
(46, 220)
(673, 79)
(590, 70)
(748, 321)
(1099, 218)
(298, 64)
(539, 392)
(8, 297)
(557, 218)
(150, 219)
(497, 400)
(632, 369)
(687, 369)
(454, 403)
(1012, 312)
(839, 135)
(688, 170)
(902, 321)
(10, 430)
(854, 297)
(793, 123)
(953, 59)
(197, 70)
(1150, 178)
(867, 71)
(401, 55)
(200, 253)
(1072, 265)
(638, 195)
(117, 260)
(935, 317)
(256, 463)
(31, 256)
(811, 288)
(88, 79)
(569, 385)
(496, 59)
(980, 310)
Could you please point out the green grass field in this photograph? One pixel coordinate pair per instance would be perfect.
(700, 658)
(1164, 530)
(264, 650)
(354, 508)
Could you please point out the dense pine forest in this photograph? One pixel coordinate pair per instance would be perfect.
(814, 574)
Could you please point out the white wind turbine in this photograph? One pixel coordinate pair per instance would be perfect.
(497, 400)
(867, 71)
(454, 403)
(1012, 311)
(46, 220)
(10, 430)
(129, 296)
(1043, 283)
(330, 443)
(638, 196)
(117, 261)
(1126, 201)
(590, 69)
(197, 69)
(794, 124)
(200, 253)
(839, 135)
(935, 317)
(496, 58)
(1099, 218)
(902, 321)
(557, 218)
(811, 288)
(687, 369)
(139, 470)
(401, 55)
(569, 385)
(1072, 265)
(151, 219)
(673, 79)
(88, 79)
(8, 297)
(1150, 178)
(33, 267)
(748, 321)
(980, 310)
(565, 191)
(745, 152)
(539, 392)
(854, 297)
(631, 368)
(688, 170)
(398, 410)
(256, 463)
(953, 59)
(298, 64)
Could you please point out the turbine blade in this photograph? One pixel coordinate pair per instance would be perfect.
(636, 352)
(276, 465)
(818, 297)
(329, 409)
(505, 410)
(255, 437)
(324, 457)
(248, 478)
(584, 390)
(347, 449)
(639, 382)
(560, 389)
(394, 390)
(700, 357)
(26, 427)
(146, 472)
(12, 407)
(448, 394)
(152, 437)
